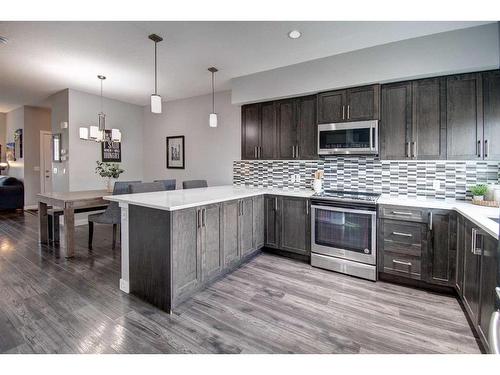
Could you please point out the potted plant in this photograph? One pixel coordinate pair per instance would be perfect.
(478, 192)
(111, 171)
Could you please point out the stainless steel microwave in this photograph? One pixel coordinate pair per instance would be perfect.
(348, 138)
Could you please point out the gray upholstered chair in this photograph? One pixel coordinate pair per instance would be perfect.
(193, 184)
(112, 215)
(146, 187)
(169, 184)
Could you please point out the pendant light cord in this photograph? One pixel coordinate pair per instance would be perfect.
(213, 94)
(101, 94)
(156, 69)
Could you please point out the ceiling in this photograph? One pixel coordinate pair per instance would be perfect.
(42, 58)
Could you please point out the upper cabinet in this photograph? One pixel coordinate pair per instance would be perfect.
(250, 131)
(355, 104)
(412, 122)
(491, 116)
(464, 116)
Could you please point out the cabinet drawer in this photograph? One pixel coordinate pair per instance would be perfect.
(402, 265)
(406, 233)
(403, 213)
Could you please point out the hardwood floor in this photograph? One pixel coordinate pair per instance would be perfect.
(270, 305)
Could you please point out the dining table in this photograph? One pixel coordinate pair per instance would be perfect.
(69, 202)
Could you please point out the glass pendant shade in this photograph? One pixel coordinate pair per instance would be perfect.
(101, 121)
(212, 120)
(94, 133)
(84, 133)
(100, 136)
(116, 135)
(155, 103)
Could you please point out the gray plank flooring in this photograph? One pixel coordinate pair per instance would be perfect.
(269, 305)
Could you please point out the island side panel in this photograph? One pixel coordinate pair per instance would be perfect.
(124, 280)
(149, 255)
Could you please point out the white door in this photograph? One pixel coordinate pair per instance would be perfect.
(46, 162)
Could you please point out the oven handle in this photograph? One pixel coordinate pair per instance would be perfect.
(340, 209)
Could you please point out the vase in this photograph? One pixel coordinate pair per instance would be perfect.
(110, 184)
(318, 185)
(478, 197)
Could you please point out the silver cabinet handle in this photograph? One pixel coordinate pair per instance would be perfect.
(198, 219)
(402, 213)
(407, 264)
(486, 148)
(307, 207)
(414, 149)
(479, 148)
(297, 151)
(408, 151)
(255, 152)
(402, 234)
(343, 112)
(494, 333)
(430, 220)
(293, 152)
(276, 203)
(204, 217)
(473, 240)
(348, 112)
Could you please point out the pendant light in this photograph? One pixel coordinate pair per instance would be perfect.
(212, 118)
(155, 98)
(101, 117)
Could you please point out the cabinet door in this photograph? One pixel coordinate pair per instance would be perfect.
(459, 275)
(488, 284)
(230, 236)
(271, 222)
(464, 116)
(287, 129)
(331, 107)
(471, 275)
(250, 131)
(185, 248)
(269, 135)
(362, 103)
(442, 253)
(246, 227)
(211, 254)
(429, 121)
(395, 121)
(295, 225)
(307, 128)
(491, 90)
(258, 222)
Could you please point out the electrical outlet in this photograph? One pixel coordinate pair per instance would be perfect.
(436, 185)
(297, 178)
(292, 178)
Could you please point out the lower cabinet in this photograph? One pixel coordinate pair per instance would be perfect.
(288, 224)
(230, 235)
(472, 264)
(258, 222)
(442, 247)
(209, 241)
(245, 226)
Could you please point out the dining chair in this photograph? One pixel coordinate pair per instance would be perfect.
(146, 187)
(193, 184)
(112, 214)
(169, 184)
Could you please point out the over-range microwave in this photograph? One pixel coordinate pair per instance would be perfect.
(348, 138)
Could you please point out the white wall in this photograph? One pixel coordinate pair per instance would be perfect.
(209, 151)
(83, 110)
(3, 131)
(465, 50)
(36, 119)
(14, 121)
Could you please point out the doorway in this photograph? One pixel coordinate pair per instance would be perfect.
(45, 162)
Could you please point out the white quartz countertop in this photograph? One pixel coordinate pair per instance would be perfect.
(479, 215)
(173, 200)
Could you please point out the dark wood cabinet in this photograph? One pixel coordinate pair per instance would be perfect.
(354, 104)
(230, 241)
(271, 221)
(442, 247)
(250, 131)
(295, 225)
(209, 241)
(488, 283)
(307, 128)
(287, 129)
(428, 119)
(245, 227)
(459, 274)
(269, 132)
(464, 120)
(258, 222)
(396, 121)
(472, 258)
(491, 105)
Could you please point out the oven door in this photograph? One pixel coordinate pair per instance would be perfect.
(344, 233)
(348, 138)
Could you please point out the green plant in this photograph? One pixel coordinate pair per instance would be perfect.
(109, 170)
(478, 190)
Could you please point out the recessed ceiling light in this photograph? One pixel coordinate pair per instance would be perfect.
(3, 40)
(294, 34)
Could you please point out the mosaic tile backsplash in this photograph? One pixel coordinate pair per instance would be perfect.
(410, 178)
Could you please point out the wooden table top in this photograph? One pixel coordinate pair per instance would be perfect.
(73, 196)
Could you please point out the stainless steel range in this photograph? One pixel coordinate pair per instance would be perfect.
(344, 232)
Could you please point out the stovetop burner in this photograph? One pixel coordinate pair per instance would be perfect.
(343, 195)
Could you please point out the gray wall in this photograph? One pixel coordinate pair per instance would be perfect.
(209, 151)
(458, 51)
(14, 121)
(3, 131)
(83, 110)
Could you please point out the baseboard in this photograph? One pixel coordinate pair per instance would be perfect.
(124, 286)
